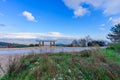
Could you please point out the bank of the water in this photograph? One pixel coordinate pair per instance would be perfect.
(42, 50)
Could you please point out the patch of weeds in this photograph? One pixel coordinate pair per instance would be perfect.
(86, 53)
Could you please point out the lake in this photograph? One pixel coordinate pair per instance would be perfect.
(43, 50)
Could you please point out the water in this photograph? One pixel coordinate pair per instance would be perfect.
(46, 50)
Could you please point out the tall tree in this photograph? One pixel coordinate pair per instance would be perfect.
(114, 35)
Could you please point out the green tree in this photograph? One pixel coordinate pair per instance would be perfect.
(31, 45)
(114, 35)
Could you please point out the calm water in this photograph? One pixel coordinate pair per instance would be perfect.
(46, 50)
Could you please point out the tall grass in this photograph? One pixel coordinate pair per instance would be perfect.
(85, 65)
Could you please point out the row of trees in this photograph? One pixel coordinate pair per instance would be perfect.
(87, 41)
(114, 36)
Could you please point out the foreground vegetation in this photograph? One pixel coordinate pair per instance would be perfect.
(86, 65)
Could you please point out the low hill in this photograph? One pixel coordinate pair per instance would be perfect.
(6, 44)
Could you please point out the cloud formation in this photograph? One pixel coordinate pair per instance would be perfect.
(29, 16)
(76, 7)
(49, 35)
(109, 7)
(102, 28)
(114, 21)
(46, 36)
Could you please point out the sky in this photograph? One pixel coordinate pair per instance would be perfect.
(58, 18)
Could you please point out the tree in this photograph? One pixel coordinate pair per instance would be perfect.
(74, 43)
(96, 43)
(88, 39)
(31, 45)
(114, 35)
(83, 42)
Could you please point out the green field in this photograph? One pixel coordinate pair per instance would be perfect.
(86, 65)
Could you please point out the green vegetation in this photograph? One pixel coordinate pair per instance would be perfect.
(86, 65)
(96, 43)
(114, 36)
(115, 46)
(111, 55)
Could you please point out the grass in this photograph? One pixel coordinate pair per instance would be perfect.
(85, 65)
(111, 55)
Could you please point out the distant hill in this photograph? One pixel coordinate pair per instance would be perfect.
(6, 44)
(60, 44)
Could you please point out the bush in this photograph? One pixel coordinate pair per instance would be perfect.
(86, 53)
(31, 45)
(96, 43)
(115, 46)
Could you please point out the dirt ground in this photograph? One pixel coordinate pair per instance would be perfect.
(4, 61)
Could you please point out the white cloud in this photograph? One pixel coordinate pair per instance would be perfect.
(21, 37)
(49, 35)
(76, 7)
(109, 7)
(102, 25)
(102, 28)
(80, 12)
(29, 16)
(110, 19)
(55, 34)
(112, 7)
(114, 21)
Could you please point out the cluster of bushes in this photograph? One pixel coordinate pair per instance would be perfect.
(96, 43)
(115, 46)
(33, 45)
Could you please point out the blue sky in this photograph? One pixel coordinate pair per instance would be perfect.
(58, 18)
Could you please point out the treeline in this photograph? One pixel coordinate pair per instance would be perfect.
(87, 41)
(11, 45)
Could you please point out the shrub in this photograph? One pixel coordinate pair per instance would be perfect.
(96, 43)
(31, 45)
(86, 53)
(115, 46)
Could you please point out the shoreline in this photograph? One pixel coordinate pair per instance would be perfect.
(32, 48)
